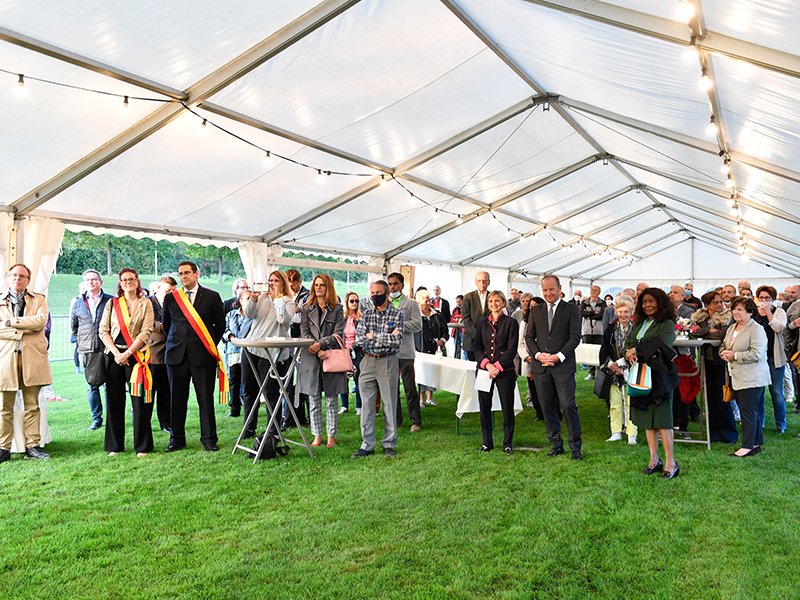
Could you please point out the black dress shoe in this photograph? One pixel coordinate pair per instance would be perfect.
(210, 447)
(5, 455)
(232, 414)
(658, 468)
(174, 447)
(508, 451)
(95, 425)
(555, 452)
(361, 453)
(484, 448)
(757, 449)
(389, 451)
(675, 472)
(577, 455)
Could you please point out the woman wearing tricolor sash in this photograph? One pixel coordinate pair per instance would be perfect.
(124, 330)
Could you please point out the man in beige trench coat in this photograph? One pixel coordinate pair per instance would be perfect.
(24, 363)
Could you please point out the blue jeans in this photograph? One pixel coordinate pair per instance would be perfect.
(95, 403)
(346, 397)
(776, 393)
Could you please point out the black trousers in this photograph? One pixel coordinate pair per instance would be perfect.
(203, 378)
(557, 389)
(250, 385)
(409, 378)
(161, 395)
(749, 400)
(537, 406)
(117, 378)
(235, 387)
(505, 383)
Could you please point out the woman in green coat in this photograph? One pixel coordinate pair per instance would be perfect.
(654, 318)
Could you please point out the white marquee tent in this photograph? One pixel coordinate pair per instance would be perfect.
(522, 136)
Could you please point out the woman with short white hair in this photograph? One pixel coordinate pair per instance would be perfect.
(612, 358)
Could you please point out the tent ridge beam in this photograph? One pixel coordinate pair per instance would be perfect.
(678, 33)
(90, 64)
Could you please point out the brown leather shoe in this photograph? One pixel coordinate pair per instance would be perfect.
(415, 427)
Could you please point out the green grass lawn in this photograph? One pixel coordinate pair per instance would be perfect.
(437, 521)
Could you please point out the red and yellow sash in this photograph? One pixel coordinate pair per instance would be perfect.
(141, 378)
(201, 330)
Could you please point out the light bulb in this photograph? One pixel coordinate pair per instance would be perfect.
(126, 108)
(745, 257)
(320, 176)
(690, 54)
(202, 129)
(729, 182)
(734, 210)
(685, 10)
(739, 227)
(730, 202)
(267, 159)
(726, 167)
(436, 214)
(508, 232)
(21, 91)
(712, 128)
(459, 220)
(522, 238)
(705, 81)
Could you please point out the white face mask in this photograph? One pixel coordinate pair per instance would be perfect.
(395, 295)
(576, 298)
(777, 303)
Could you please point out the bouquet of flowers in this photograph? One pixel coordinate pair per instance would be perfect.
(685, 327)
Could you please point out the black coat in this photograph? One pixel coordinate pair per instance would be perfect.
(434, 328)
(659, 357)
(182, 341)
(497, 341)
(564, 336)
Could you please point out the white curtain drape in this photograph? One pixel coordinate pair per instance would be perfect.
(257, 259)
(39, 245)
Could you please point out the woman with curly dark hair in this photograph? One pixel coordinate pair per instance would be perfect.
(654, 318)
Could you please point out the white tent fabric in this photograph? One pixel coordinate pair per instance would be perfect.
(523, 136)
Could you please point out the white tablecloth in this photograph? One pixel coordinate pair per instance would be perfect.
(456, 376)
(18, 442)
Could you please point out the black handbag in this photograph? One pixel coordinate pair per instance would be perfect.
(271, 447)
(602, 383)
(94, 367)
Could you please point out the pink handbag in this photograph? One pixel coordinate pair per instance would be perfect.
(338, 361)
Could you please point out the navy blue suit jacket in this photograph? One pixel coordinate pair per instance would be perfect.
(564, 336)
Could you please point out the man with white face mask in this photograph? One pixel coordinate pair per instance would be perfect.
(413, 323)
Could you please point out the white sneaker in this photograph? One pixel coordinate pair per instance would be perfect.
(632, 440)
(615, 437)
(342, 410)
(358, 411)
(589, 377)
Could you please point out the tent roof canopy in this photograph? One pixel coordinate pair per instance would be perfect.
(533, 135)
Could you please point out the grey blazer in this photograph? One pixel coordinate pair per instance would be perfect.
(749, 369)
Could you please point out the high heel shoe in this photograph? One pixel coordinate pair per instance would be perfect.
(675, 472)
(657, 468)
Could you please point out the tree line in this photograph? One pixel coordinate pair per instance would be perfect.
(108, 254)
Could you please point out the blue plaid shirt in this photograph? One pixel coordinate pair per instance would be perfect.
(380, 324)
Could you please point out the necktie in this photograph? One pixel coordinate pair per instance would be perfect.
(550, 314)
(189, 295)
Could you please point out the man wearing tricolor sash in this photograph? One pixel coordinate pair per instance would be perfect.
(193, 321)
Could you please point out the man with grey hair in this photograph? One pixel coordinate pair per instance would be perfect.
(682, 308)
(379, 334)
(84, 321)
(513, 300)
(239, 286)
(473, 309)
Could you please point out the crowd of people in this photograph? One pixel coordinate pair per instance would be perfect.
(153, 344)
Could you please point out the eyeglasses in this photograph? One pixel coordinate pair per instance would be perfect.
(352, 301)
(765, 298)
(717, 302)
(128, 280)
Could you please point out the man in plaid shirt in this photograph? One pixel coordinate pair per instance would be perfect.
(379, 334)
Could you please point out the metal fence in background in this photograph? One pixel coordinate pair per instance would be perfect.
(60, 346)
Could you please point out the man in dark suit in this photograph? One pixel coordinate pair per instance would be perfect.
(441, 304)
(187, 358)
(554, 331)
(473, 310)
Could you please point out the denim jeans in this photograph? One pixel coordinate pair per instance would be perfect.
(776, 393)
(95, 403)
